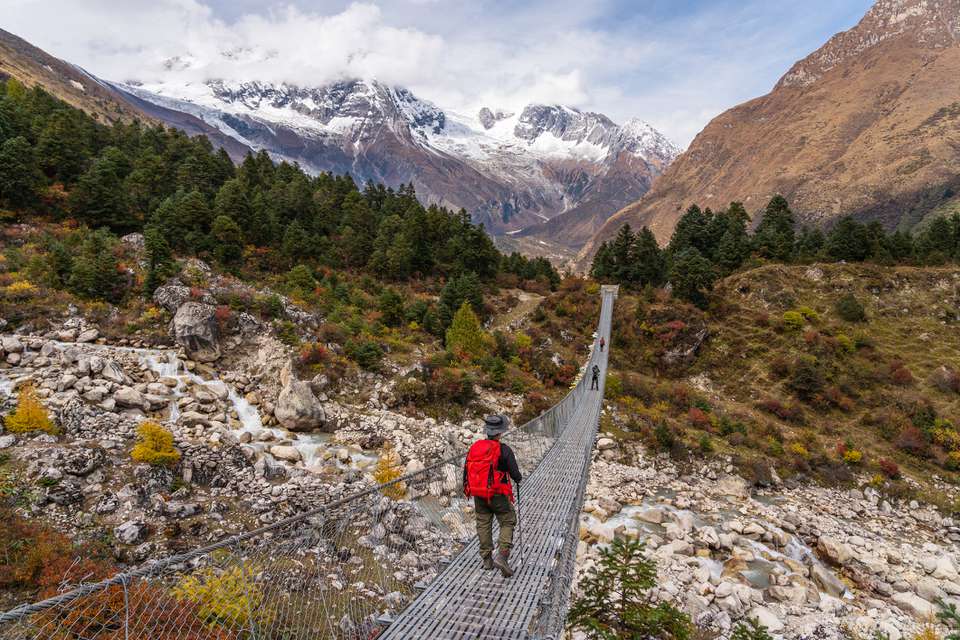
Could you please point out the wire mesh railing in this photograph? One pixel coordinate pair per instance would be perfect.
(338, 571)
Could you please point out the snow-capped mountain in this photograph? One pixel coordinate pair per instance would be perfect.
(512, 171)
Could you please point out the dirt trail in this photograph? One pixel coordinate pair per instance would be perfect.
(527, 303)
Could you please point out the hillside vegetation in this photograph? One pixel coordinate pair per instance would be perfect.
(817, 370)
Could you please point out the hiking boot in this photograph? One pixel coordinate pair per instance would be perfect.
(488, 564)
(501, 561)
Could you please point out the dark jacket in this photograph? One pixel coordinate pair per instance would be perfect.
(596, 372)
(507, 463)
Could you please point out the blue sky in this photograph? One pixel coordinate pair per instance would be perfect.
(673, 63)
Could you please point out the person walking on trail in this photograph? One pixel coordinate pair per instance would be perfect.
(602, 343)
(487, 472)
(595, 378)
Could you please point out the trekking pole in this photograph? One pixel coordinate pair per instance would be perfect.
(523, 555)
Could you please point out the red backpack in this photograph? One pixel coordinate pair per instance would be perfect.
(483, 479)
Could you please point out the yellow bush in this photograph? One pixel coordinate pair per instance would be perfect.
(524, 341)
(928, 632)
(226, 597)
(793, 321)
(389, 469)
(808, 314)
(30, 414)
(593, 289)
(155, 445)
(852, 456)
(947, 437)
(20, 290)
(846, 343)
(799, 450)
(953, 461)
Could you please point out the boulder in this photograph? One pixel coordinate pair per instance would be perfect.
(7, 441)
(734, 486)
(826, 581)
(171, 296)
(129, 397)
(282, 452)
(834, 551)
(914, 605)
(109, 370)
(298, 409)
(83, 461)
(266, 467)
(88, 336)
(131, 532)
(766, 618)
(194, 327)
(11, 344)
(606, 443)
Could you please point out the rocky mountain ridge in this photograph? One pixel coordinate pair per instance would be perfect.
(866, 125)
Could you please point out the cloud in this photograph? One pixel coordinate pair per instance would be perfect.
(674, 68)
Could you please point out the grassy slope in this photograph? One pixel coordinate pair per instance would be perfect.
(721, 397)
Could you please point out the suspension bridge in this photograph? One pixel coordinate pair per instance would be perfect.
(397, 561)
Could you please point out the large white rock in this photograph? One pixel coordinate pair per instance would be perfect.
(766, 618)
(915, 605)
(129, 397)
(298, 409)
(11, 344)
(833, 550)
(290, 454)
(109, 370)
(194, 327)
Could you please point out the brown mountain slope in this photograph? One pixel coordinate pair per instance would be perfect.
(21, 60)
(24, 62)
(867, 125)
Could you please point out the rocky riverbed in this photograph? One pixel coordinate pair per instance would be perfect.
(808, 562)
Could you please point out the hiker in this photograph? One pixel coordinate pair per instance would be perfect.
(595, 379)
(602, 343)
(486, 478)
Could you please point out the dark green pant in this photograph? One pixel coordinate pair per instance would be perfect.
(502, 509)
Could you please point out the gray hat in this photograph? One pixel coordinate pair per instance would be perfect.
(496, 424)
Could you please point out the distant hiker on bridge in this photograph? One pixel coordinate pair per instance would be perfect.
(486, 478)
(602, 343)
(595, 378)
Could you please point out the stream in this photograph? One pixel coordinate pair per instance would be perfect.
(315, 448)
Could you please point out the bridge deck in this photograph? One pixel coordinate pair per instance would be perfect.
(466, 602)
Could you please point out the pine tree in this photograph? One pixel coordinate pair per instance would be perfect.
(774, 237)
(232, 201)
(61, 148)
(691, 231)
(649, 262)
(228, 241)
(935, 244)
(99, 199)
(848, 240)
(616, 601)
(621, 253)
(20, 176)
(465, 336)
(296, 245)
(692, 276)
(95, 272)
(465, 288)
(602, 267)
(159, 257)
(390, 305)
(810, 243)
